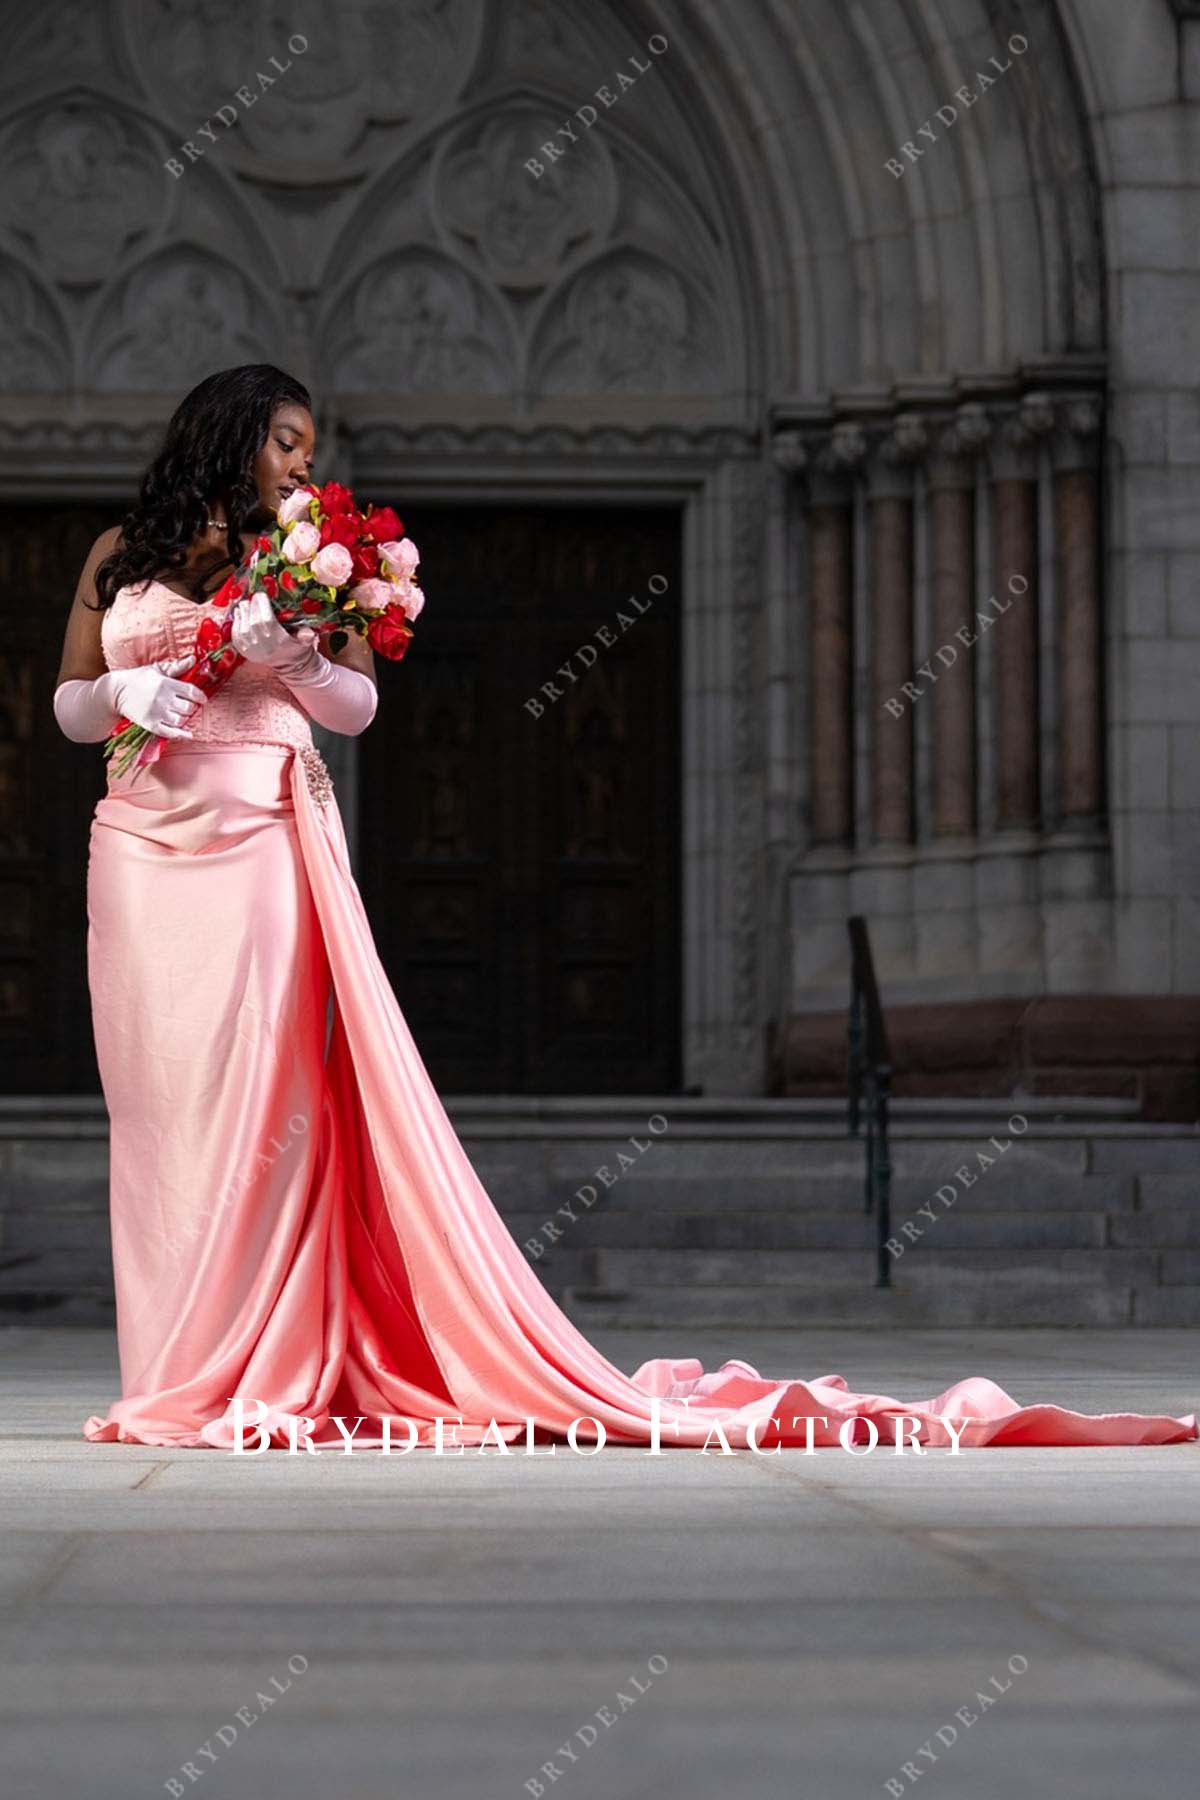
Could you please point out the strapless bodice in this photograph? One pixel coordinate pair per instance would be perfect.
(149, 621)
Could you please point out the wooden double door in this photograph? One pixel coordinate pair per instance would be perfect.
(48, 790)
(520, 802)
(518, 852)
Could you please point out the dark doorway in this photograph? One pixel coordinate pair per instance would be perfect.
(521, 868)
(48, 790)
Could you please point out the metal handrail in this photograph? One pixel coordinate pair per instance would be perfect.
(870, 1075)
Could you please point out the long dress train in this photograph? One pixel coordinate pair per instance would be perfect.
(295, 1222)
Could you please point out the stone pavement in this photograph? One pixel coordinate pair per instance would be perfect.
(785, 1628)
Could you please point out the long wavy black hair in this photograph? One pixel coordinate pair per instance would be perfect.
(208, 452)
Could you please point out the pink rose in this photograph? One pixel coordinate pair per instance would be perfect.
(301, 542)
(400, 559)
(373, 594)
(413, 600)
(296, 506)
(333, 565)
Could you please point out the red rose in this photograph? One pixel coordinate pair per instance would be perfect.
(312, 606)
(382, 526)
(365, 558)
(287, 579)
(286, 612)
(340, 528)
(229, 590)
(264, 543)
(270, 586)
(334, 498)
(389, 633)
(209, 635)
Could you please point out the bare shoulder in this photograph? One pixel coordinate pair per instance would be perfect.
(105, 544)
(82, 655)
(85, 588)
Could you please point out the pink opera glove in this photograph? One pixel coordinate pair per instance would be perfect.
(150, 696)
(340, 699)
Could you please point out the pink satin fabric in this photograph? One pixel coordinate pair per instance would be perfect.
(297, 1223)
(310, 1232)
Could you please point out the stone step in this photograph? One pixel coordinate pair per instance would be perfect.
(836, 1195)
(511, 1115)
(988, 1302)
(58, 1269)
(1177, 1154)
(52, 1226)
(1167, 1306)
(37, 1306)
(34, 1185)
(740, 1212)
(929, 1159)
(1165, 1228)
(630, 1271)
(810, 1230)
(1182, 1191)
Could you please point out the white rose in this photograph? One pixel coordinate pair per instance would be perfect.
(372, 595)
(333, 565)
(399, 558)
(301, 542)
(296, 505)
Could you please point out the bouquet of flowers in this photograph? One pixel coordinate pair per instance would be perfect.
(327, 565)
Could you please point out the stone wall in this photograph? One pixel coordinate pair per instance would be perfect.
(896, 303)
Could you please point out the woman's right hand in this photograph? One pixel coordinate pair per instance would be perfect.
(153, 698)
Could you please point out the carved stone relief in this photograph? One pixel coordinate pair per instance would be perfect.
(367, 63)
(82, 186)
(420, 325)
(522, 230)
(31, 360)
(175, 320)
(46, 40)
(629, 325)
(546, 283)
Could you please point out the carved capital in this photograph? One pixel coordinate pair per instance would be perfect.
(835, 458)
(1082, 415)
(846, 449)
(1076, 442)
(958, 447)
(789, 452)
(1015, 452)
(972, 429)
(1036, 414)
(907, 441)
(902, 443)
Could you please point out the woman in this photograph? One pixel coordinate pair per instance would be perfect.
(295, 1222)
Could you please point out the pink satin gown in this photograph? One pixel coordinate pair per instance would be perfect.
(296, 1222)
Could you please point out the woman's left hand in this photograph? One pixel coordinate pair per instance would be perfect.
(259, 637)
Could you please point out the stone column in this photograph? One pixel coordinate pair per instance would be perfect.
(1077, 583)
(831, 667)
(1015, 645)
(890, 513)
(951, 488)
